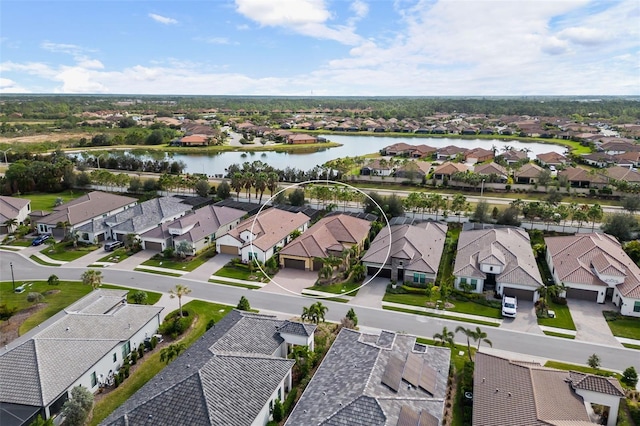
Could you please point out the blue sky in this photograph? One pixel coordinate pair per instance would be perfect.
(321, 47)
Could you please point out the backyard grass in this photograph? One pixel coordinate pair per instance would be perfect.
(42, 262)
(152, 296)
(240, 272)
(116, 256)
(554, 334)
(150, 365)
(249, 286)
(627, 327)
(460, 306)
(150, 271)
(42, 201)
(581, 368)
(339, 288)
(64, 251)
(64, 294)
(188, 264)
(429, 314)
(562, 319)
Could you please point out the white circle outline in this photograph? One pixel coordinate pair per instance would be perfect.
(322, 181)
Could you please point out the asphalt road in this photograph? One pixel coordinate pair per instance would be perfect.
(535, 345)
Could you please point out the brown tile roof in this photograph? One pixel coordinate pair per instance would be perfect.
(419, 245)
(594, 383)
(580, 174)
(489, 168)
(622, 173)
(451, 150)
(529, 170)
(449, 168)
(86, 207)
(575, 257)
(271, 226)
(551, 158)
(506, 393)
(508, 246)
(333, 233)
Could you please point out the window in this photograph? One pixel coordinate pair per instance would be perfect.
(126, 348)
(115, 357)
(474, 284)
(491, 268)
(419, 278)
(94, 380)
(280, 394)
(463, 280)
(636, 307)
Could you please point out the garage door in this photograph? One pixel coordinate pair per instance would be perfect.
(294, 264)
(385, 273)
(519, 293)
(150, 245)
(229, 249)
(578, 293)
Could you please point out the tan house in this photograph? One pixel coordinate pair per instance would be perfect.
(298, 138)
(12, 208)
(499, 259)
(413, 170)
(527, 174)
(449, 152)
(414, 254)
(330, 236)
(262, 235)
(195, 140)
(508, 393)
(551, 159)
(478, 155)
(595, 267)
(622, 174)
(492, 169)
(581, 178)
(513, 156)
(447, 169)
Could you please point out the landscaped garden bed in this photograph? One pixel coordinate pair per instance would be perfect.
(67, 251)
(172, 261)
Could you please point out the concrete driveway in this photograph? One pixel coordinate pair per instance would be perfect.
(211, 266)
(293, 280)
(525, 321)
(133, 261)
(371, 294)
(590, 323)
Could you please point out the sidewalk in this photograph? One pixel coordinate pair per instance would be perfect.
(443, 312)
(87, 259)
(205, 271)
(132, 262)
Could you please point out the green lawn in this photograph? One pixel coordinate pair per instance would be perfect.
(630, 346)
(42, 201)
(149, 271)
(116, 256)
(626, 327)
(67, 293)
(451, 317)
(188, 264)
(19, 243)
(563, 317)
(581, 368)
(64, 251)
(42, 262)
(249, 286)
(464, 307)
(240, 272)
(554, 334)
(340, 288)
(152, 296)
(150, 365)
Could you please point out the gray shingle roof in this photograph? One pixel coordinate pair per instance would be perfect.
(147, 214)
(225, 378)
(89, 206)
(350, 377)
(298, 328)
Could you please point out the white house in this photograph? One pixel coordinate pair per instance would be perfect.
(86, 346)
(595, 267)
(13, 208)
(260, 236)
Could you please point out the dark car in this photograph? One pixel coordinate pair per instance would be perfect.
(39, 240)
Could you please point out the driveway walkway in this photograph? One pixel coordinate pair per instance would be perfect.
(87, 259)
(371, 294)
(170, 304)
(526, 320)
(590, 323)
(132, 262)
(293, 280)
(204, 271)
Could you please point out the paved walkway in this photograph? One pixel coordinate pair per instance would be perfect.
(170, 304)
(132, 262)
(371, 294)
(590, 323)
(211, 266)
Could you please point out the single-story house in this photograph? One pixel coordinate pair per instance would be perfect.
(421, 151)
(376, 380)
(447, 169)
(400, 148)
(527, 174)
(330, 236)
(615, 146)
(299, 138)
(195, 140)
(261, 236)
(595, 267)
(92, 206)
(581, 178)
(513, 156)
(199, 229)
(413, 170)
(495, 169)
(626, 174)
(232, 375)
(449, 152)
(135, 220)
(478, 155)
(499, 259)
(377, 167)
(414, 254)
(86, 346)
(551, 159)
(628, 159)
(599, 159)
(13, 208)
(509, 392)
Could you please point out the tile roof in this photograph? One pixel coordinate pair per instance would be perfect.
(421, 244)
(270, 227)
(508, 246)
(528, 170)
(89, 206)
(332, 233)
(146, 215)
(11, 206)
(449, 168)
(203, 222)
(40, 369)
(347, 388)
(579, 174)
(490, 168)
(622, 173)
(551, 157)
(225, 378)
(298, 328)
(576, 257)
(590, 382)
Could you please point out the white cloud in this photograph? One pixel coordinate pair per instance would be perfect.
(360, 8)
(162, 19)
(214, 40)
(10, 86)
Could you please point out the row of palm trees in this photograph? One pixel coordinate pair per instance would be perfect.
(434, 203)
(445, 338)
(549, 212)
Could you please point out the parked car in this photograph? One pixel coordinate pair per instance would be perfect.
(509, 306)
(39, 240)
(19, 289)
(111, 246)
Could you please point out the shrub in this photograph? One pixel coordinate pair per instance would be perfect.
(560, 301)
(211, 323)
(290, 400)
(243, 304)
(53, 280)
(141, 351)
(278, 412)
(140, 297)
(116, 380)
(154, 342)
(126, 370)
(630, 377)
(35, 297)
(173, 325)
(6, 312)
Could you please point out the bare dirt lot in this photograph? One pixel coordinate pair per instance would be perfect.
(48, 137)
(9, 328)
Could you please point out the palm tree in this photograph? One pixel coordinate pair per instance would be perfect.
(260, 184)
(10, 224)
(172, 351)
(445, 338)
(92, 277)
(236, 184)
(179, 291)
(248, 180)
(470, 334)
(481, 336)
(314, 313)
(594, 213)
